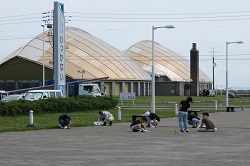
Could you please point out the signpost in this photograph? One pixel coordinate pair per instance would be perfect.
(127, 96)
(59, 48)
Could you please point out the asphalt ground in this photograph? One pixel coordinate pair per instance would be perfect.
(117, 145)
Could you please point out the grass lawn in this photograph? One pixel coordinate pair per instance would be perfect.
(80, 119)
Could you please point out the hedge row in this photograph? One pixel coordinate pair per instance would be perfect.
(54, 105)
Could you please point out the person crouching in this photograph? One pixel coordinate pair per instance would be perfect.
(64, 121)
(105, 116)
(152, 118)
(139, 125)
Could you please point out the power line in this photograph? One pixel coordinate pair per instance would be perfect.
(156, 18)
(16, 38)
(144, 21)
(149, 14)
(20, 15)
(24, 22)
(20, 19)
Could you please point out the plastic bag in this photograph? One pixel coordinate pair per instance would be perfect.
(98, 123)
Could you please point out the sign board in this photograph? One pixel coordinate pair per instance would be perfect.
(127, 96)
(59, 48)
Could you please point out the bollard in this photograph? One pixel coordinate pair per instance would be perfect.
(216, 106)
(242, 107)
(176, 109)
(31, 118)
(119, 113)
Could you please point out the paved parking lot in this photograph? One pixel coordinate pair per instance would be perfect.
(117, 145)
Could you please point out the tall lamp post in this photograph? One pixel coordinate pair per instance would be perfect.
(43, 58)
(227, 43)
(214, 65)
(153, 66)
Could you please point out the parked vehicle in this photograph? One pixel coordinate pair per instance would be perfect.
(89, 90)
(231, 95)
(3, 94)
(210, 93)
(13, 97)
(42, 94)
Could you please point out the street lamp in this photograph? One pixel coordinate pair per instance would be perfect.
(43, 58)
(227, 43)
(81, 71)
(153, 66)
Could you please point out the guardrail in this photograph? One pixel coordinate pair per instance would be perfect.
(242, 94)
(173, 107)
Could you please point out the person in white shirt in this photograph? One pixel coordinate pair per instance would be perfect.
(105, 116)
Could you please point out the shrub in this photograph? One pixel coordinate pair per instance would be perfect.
(57, 105)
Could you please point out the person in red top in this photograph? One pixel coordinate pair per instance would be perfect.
(183, 115)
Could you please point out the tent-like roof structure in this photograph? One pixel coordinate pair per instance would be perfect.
(167, 62)
(86, 56)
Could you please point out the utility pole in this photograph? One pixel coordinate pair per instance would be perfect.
(214, 65)
(213, 68)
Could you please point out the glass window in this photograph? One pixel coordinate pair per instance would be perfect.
(33, 95)
(52, 94)
(58, 94)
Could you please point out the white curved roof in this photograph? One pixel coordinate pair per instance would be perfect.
(86, 56)
(89, 57)
(167, 62)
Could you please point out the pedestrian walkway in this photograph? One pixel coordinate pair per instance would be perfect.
(117, 145)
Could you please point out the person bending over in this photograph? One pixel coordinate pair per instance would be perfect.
(138, 125)
(105, 116)
(152, 118)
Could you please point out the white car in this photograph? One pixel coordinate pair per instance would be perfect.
(42, 94)
(12, 98)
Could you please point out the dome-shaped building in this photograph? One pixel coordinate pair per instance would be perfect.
(88, 58)
(171, 69)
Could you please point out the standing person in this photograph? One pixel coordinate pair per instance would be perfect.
(152, 118)
(193, 120)
(183, 115)
(64, 121)
(138, 125)
(105, 116)
(208, 123)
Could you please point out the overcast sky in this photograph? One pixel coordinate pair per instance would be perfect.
(209, 23)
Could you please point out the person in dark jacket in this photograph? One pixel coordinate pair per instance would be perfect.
(152, 118)
(64, 121)
(138, 125)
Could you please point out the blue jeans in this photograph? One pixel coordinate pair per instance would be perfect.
(183, 121)
(195, 122)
